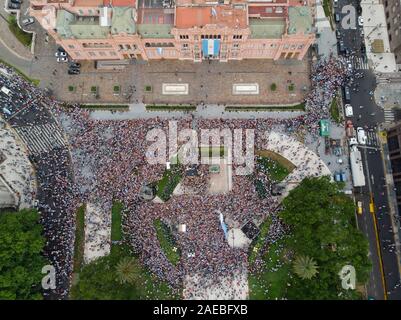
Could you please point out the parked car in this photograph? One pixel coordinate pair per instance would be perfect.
(362, 33)
(361, 134)
(14, 6)
(349, 111)
(60, 54)
(73, 71)
(359, 9)
(27, 21)
(337, 17)
(360, 21)
(341, 46)
(338, 34)
(75, 65)
(359, 206)
(363, 48)
(347, 94)
(62, 59)
(17, 1)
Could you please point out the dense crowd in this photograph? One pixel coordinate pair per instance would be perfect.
(109, 164)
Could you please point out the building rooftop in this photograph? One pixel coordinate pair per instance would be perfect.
(267, 28)
(188, 17)
(300, 20)
(122, 20)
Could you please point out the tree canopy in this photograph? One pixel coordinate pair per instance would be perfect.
(21, 260)
(322, 222)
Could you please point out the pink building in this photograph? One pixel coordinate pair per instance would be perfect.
(178, 29)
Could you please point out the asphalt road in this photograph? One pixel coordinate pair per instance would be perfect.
(385, 275)
(28, 115)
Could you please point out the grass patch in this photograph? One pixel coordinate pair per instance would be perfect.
(35, 82)
(22, 36)
(170, 108)
(208, 151)
(167, 242)
(79, 243)
(148, 88)
(270, 284)
(122, 107)
(98, 281)
(291, 87)
(273, 87)
(71, 88)
(258, 242)
(328, 12)
(278, 158)
(334, 110)
(297, 107)
(116, 89)
(272, 168)
(116, 230)
(171, 178)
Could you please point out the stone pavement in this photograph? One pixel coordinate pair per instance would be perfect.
(229, 288)
(16, 168)
(97, 233)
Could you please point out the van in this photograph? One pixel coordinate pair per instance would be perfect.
(349, 112)
(347, 94)
(337, 17)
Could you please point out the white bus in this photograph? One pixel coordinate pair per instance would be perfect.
(358, 177)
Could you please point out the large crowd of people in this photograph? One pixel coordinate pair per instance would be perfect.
(109, 164)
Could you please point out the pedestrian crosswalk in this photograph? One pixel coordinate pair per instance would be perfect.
(358, 63)
(41, 138)
(372, 139)
(388, 116)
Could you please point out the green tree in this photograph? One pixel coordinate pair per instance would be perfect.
(21, 262)
(128, 270)
(305, 267)
(322, 223)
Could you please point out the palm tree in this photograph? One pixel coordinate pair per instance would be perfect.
(305, 267)
(128, 270)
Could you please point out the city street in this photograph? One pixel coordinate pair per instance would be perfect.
(385, 278)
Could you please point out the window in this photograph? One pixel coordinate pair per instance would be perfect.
(77, 53)
(102, 54)
(393, 143)
(237, 36)
(185, 46)
(112, 53)
(70, 46)
(128, 47)
(184, 36)
(396, 165)
(92, 54)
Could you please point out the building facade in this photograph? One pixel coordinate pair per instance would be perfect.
(392, 10)
(394, 148)
(193, 30)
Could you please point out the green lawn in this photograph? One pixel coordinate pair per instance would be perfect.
(272, 168)
(116, 227)
(270, 284)
(297, 107)
(97, 281)
(166, 241)
(171, 178)
(79, 239)
(334, 110)
(257, 243)
(122, 107)
(23, 37)
(35, 82)
(170, 107)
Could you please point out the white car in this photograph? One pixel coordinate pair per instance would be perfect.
(27, 21)
(353, 141)
(349, 111)
(335, 3)
(62, 59)
(360, 21)
(60, 54)
(362, 138)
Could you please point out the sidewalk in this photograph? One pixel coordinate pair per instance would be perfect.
(391, 198)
